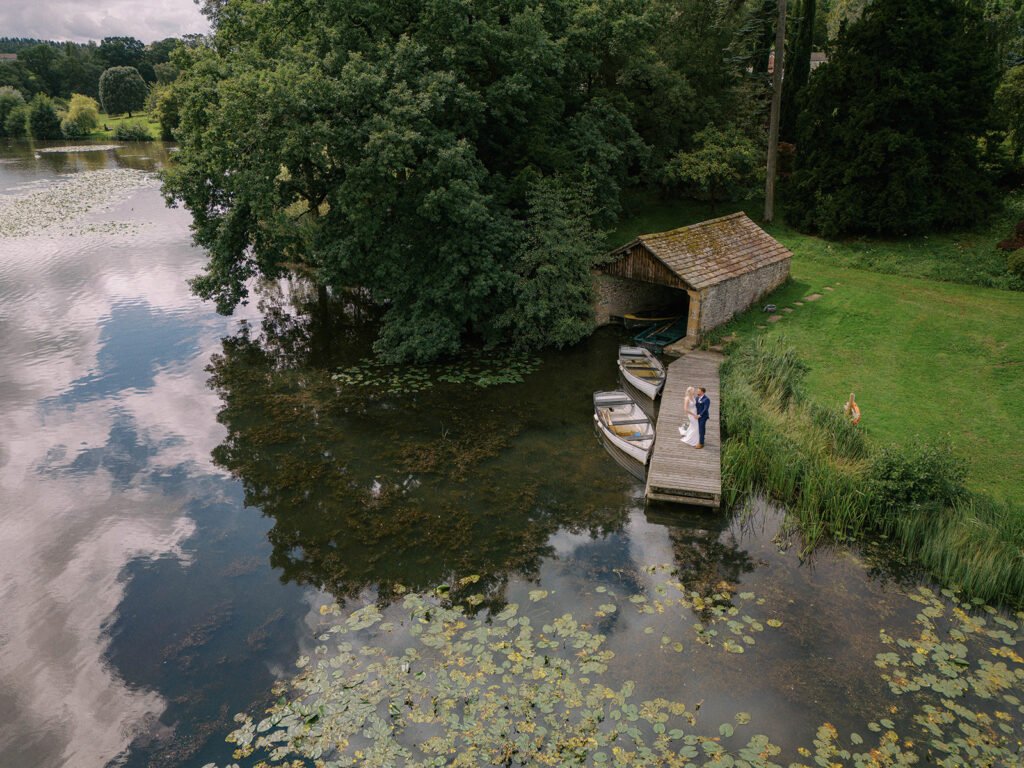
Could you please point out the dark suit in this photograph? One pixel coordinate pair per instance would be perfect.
(703, 404)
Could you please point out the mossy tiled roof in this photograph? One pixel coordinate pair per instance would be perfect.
(713, 251)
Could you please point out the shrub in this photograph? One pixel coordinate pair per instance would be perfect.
(1015, 263)
(16, 124)
(83, 113)
(132, 132)
(43, 122)
(72, 130)
(918, 478)
(10, 98)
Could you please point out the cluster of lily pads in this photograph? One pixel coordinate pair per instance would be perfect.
(75, 148)
(482, 370)
(63, 206)
(430, 684)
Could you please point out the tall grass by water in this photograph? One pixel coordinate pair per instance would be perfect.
(781, 443)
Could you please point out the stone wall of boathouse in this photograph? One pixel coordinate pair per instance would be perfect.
(719, 303)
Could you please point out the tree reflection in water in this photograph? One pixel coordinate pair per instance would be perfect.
(405, 492)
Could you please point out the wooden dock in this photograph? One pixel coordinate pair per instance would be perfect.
(679, 472)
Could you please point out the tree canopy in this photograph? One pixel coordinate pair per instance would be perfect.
(60, 69)
(408, 151)
(888, 139)
(122, 89)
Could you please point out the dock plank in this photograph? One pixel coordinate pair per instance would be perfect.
(679, 472)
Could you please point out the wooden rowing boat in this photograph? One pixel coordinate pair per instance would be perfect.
(656, 338)
(624, 424)
(648, 317)
(642, 370)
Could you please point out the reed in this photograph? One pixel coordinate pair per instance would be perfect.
(779, 443)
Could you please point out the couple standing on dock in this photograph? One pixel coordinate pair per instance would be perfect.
(697, 406)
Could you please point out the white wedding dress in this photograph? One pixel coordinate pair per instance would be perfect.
(691, 435)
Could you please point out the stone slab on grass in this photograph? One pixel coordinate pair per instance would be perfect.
(812, 297)
(774, 318)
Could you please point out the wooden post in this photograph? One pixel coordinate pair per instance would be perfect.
(773, 129)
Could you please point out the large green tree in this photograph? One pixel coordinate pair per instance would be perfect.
(797, 69)
(405, 151)
(122, 89)
(888, 140)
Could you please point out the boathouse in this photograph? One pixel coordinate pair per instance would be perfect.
(709, 271)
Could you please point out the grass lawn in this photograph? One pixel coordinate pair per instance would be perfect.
(931, 360)
(113, 121)
(943, 361)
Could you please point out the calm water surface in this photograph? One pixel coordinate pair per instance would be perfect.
(180, 491)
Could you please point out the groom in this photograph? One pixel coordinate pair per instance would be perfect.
(703, 404)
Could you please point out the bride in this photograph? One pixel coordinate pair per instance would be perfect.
(691, 435)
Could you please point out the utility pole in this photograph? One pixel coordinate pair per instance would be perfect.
(773, 129)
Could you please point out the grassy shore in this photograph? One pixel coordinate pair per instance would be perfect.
(935, 361)
(781, 443)
(940, 361)
(928, 335)
(108, 124)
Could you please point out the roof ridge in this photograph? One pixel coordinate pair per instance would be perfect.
(697, 225)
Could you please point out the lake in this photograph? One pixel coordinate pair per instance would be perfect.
(181, 492)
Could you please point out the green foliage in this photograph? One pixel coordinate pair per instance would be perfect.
(82, 116)
(1009, 107)
(127, 52)
(122, 89)
(165, 109)
(779, 443)
(43, 122)
(61, 69)
(888, 141)
(16, 124)
(843, 12)
(10, 99)
(726, 164)
(1015, 262)
(16, 75)
(166, 73)
(552, 301)
(406, 152)
(44, 62)
(919, 478)
(132, 132)
(797, 69)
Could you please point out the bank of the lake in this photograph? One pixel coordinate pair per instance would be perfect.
(927, 335)
(913, 327)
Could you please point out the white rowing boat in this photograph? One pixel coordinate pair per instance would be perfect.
(624, 424)
(642, 370)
